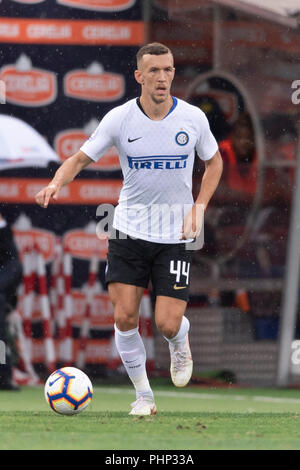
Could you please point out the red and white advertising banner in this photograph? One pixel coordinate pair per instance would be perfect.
(81, 191)
(94, 84)
(43, 240)
(81, 32)
(98, 5)
(95, 5)
(81, 244)
(69, 141)
(27, 85)
(28, 2)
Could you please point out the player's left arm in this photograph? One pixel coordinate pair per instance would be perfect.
(193, 220)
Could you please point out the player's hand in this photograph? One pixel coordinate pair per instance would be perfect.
(43, 197)
(193, 222)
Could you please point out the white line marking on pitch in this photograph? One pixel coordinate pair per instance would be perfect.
(207, 396)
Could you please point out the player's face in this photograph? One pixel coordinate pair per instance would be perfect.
(155, 74)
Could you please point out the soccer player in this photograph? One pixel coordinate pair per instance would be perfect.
(156, 218)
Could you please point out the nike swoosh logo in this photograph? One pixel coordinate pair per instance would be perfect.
(133, 140)
(179, 287)
(51, 383)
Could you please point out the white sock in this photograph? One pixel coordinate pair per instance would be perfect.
(179, 338)
(133, 354)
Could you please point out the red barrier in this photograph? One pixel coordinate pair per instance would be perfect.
(25, 336)
(50, 355)
(61, 309)
(85, 327)
(67, 346)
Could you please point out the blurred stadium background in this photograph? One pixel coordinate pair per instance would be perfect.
(64, 64)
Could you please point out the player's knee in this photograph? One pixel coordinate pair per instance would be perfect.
(167, 329)
(125, 320)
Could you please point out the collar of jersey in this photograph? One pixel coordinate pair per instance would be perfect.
(175, 101)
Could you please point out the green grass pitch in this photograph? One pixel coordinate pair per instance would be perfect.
(192, 418)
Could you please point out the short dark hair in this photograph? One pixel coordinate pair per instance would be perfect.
(154, 48)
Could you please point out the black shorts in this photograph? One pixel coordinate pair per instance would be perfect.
(137, 262)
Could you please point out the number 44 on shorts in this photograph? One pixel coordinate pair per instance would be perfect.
(180, 268)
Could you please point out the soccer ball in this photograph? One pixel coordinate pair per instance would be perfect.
(68, 391)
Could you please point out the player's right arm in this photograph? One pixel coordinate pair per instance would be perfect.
(64, 175)
(98, 143)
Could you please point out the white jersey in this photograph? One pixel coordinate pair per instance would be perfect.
(157, 159)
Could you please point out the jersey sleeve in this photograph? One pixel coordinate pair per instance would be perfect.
(103, 137)
(206, 145)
